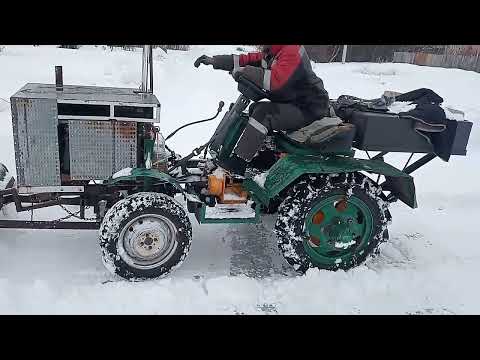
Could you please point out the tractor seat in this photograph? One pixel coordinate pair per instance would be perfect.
(329, 134)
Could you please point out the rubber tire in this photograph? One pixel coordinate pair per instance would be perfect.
(131, 207)
(289, 227)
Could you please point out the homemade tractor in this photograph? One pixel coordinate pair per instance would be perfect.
(96, 147)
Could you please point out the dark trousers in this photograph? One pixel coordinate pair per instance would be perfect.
(273, 116)
(279, 116)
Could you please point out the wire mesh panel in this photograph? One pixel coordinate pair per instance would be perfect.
(98, 149)
(36, 141)
(125, 145)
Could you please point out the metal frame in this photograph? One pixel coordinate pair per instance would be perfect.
(49, 225)
(155, 118)
(99, 102)
(407, 169)
(106, 118)
(49, 199)
(156, 111)
(419, 163)
(91, 195)
(49, 189)
(413, 167)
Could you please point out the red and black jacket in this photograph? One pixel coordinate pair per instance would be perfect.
(286, 74)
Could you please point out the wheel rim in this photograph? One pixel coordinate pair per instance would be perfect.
(147, 241)
(337, 230)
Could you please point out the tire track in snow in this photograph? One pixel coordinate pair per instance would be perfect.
(254, 251)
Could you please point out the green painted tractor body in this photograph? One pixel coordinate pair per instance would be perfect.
(332, 209)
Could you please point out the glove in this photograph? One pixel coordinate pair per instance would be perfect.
(205, 60)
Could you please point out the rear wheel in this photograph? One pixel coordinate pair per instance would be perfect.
(332, 222)
(145, 236)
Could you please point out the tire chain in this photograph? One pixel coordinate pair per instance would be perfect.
(75, 215)
(71, 214)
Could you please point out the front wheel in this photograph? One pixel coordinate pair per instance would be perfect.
(145, 236)
(332, 222)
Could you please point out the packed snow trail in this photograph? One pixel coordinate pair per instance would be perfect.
(429, 265)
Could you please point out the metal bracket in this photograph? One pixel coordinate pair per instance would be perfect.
(49, 189)
(74, 225)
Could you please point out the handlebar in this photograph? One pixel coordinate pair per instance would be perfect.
(251, 90)
(242, 79)
(248, 88)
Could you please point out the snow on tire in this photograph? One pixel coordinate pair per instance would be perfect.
(145, 236)
(294, 239)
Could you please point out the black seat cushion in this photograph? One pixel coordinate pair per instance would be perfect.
(318, 129)
(328, 139)
(322, 131)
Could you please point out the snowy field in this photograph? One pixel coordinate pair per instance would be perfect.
(429, 266)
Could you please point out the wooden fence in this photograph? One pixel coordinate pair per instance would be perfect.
(465, 62)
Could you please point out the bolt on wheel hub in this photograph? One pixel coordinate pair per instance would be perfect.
(147, 241)
(336, 228)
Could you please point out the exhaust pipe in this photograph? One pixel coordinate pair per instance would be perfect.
(147, 70)
(59, 78)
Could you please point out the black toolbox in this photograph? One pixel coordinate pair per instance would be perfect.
(381, 131)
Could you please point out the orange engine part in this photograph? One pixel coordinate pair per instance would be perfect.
(216, 185)
(226, 191)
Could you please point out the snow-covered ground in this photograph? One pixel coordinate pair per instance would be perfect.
(429, 266)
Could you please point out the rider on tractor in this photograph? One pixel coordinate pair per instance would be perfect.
(297, 95)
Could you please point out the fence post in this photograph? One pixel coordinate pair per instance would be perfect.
(344, 55)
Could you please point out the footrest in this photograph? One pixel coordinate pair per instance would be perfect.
(228, 214)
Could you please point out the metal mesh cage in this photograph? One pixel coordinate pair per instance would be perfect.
(98, 149)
